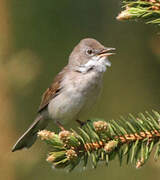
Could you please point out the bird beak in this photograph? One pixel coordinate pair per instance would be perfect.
(106, 52)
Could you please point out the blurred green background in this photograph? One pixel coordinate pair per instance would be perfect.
(36, 38)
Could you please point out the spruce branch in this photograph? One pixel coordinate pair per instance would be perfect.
(98, 140)
(147, 10)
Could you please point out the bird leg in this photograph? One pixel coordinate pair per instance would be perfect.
(81, 123)
(60, 125)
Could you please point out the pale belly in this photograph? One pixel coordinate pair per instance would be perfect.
(76, 99)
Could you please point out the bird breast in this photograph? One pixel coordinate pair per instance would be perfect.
(79, 92)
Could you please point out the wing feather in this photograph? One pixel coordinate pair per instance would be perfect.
(52, 91)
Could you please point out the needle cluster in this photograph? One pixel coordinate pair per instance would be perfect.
(147, 10)
(131, 139)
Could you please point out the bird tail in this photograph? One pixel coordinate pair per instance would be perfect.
(30, 136)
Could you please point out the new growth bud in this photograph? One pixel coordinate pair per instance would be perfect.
(110, 146)
(100, 126)
(50, 158)
(71, 154)
(46, 135)
(124, 15)
(140, 163)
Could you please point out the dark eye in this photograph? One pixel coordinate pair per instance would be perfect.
(89, 52)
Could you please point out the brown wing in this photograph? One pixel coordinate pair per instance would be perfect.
(52, 91)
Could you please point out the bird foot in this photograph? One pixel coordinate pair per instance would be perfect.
(60, 125)
(81, 123)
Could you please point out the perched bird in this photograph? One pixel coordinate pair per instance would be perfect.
(73, 90)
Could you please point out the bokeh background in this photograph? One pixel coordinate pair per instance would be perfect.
(36, 38)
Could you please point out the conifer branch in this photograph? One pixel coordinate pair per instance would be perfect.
(133, 138)
(147, 10)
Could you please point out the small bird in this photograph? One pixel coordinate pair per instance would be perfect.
(73, 90)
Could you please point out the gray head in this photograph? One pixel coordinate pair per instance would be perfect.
(89, 53)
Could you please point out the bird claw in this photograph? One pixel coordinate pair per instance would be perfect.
(81, 123)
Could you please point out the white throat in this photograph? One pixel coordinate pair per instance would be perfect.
(98, 63)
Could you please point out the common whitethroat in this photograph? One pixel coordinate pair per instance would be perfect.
(73, 90)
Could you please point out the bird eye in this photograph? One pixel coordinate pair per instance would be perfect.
(89, 52)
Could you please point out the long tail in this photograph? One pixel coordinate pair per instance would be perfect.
(30, 136)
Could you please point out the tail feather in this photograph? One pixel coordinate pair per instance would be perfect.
(30, 136)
